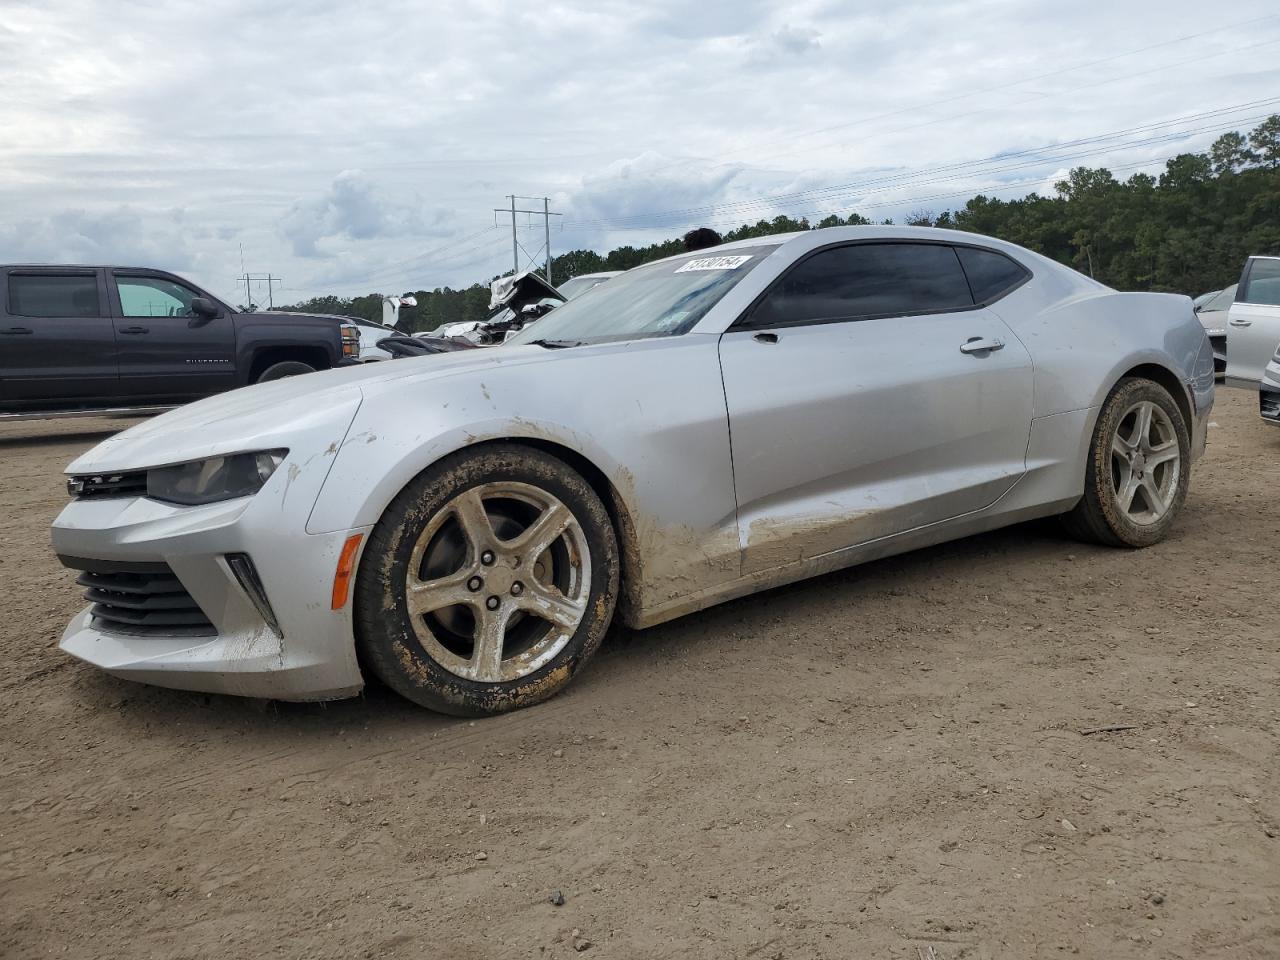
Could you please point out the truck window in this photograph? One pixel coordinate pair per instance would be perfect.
(153, 297)
(52, 295)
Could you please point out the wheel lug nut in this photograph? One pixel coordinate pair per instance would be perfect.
(487, 558)
(474, 584)
(492, 603)
(517, 588)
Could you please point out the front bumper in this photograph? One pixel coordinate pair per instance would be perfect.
(311, 658)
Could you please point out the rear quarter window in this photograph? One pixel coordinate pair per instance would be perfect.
(991, 275)
(53, 295)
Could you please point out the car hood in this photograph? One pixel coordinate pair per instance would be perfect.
(265, 416)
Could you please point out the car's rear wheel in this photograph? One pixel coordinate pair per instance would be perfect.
(488, 582)
(285, 368)
(1139, 468)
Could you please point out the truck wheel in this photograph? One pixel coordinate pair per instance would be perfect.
(1138, 471)
(285, 368)
(488, 583)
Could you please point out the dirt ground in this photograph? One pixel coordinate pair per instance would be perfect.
(885, 762)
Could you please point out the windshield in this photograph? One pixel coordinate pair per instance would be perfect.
(658, 300)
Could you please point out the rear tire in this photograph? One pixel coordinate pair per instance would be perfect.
(1139, 469)
(285, 368)
(488, 582)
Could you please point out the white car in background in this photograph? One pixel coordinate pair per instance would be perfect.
(370, 333)
(1212, 309)
(1254, 323)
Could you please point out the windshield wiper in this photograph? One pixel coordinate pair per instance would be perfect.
(557, 344)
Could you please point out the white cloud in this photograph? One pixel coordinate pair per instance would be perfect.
(353, 209)
(348, 147)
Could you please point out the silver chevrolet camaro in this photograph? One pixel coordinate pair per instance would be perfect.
(466, 526)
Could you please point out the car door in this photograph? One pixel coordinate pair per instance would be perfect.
(166, 351)
(57, 345)
(1253, 323)
(868, 394)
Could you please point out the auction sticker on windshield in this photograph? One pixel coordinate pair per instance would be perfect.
(714, 263)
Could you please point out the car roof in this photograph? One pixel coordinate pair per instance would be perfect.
(81, 266)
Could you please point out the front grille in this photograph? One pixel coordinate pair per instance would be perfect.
(140, 598)
(102, 485)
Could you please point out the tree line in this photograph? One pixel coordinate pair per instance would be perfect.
(1189, 230)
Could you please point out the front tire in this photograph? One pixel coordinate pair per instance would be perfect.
(285, 368)
(487, 583)
(1139, 469)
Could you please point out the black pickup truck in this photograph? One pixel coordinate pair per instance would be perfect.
(95, 338)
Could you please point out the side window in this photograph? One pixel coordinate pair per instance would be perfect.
(50, 295)
(991, 275)
(867, 280)
(1263, 285)
(153, 297)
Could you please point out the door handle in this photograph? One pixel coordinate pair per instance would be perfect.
(1240, 323)
(981, 345)
(765, 338)
(17, 330)
(135, 329)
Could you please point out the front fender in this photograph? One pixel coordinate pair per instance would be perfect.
(374, 465)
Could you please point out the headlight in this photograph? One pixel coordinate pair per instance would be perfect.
(218, 478)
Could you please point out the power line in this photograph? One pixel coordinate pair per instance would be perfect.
(754, 149)
(969, 165)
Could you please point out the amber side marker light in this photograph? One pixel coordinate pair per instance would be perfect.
(346, 570)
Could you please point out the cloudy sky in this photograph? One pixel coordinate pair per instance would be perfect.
(351, 148)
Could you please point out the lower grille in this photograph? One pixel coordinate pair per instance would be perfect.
(144, 599)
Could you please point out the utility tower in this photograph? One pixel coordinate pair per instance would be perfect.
(266, 278)
(546, 213)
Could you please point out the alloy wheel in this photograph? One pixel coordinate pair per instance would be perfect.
(1145, 463)
(498, 582)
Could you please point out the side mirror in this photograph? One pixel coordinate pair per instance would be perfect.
(202, 311)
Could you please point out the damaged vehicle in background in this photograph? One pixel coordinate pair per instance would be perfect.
(517, 301)
(467, 529)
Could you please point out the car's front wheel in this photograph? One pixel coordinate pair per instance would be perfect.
(488, 582)
(1139, 468)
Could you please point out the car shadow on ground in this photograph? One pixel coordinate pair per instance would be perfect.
(34, 441)
(150, 711)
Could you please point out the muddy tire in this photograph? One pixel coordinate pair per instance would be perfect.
(487, 583)
(1138, 471)
(285, 368)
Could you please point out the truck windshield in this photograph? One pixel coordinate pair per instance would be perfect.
(656, 300)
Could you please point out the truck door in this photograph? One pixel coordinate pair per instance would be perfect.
(57, 345)
(166, 351)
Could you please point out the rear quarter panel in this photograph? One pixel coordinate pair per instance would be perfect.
(1084, 343)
